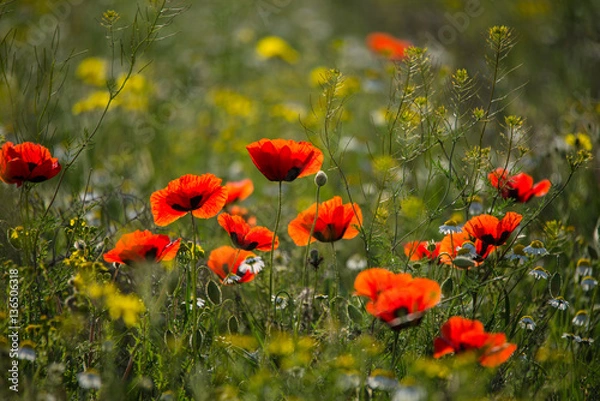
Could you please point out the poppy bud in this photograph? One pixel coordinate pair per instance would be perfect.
(320, 178)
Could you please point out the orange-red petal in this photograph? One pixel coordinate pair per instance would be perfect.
(238, 190)
(224, 261)
(26, 162)
(142, 246)
(387, 45)
(285, 160)
(335, 221)
(245, 236)
(202, 195)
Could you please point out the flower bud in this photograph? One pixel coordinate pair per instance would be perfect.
(321, 178)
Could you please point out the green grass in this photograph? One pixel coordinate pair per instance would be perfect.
(181, 89)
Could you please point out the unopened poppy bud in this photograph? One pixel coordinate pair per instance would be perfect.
(321, 178)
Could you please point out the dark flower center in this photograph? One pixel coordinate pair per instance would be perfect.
(292, 174)
(194, 204)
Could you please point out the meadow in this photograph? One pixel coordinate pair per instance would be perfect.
(299, 200)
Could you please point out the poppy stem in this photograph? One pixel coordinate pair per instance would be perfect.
(192, 288)
(310, 237)
(395, 350)
(277, 219)
(336, 283)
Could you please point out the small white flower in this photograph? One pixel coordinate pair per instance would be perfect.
(539, 273)
(356, 262)
(26, 353)
(584, 268)
(581, 318)
(450, 227)
(89, 379)
(558, 303)
(527, 322)
(280, 302)
(382, 382)
(253, 265)
(409, 393)
(231, 279)
(475, 208)
(518, 254)
(536, 248)
(588, 283)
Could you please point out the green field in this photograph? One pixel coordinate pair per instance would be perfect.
(299, 200)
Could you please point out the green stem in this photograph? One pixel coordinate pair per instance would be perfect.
(277, 219)
(192, 288)
(310, 236)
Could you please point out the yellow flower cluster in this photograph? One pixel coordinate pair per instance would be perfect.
(579, 141)
(128, 307)
(133, 95)
(233, 103)
(275, 47)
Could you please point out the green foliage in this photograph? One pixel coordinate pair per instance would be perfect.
(130, 98)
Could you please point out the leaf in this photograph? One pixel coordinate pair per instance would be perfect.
(555, 285)
(213, 293)
(233, 325)
(355, 314)
(448, 286)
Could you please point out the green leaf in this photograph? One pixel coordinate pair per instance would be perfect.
(355, 314)
(213, 293)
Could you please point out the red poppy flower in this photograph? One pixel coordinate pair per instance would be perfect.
(455, 246)
(26, 162)
(519, 187)
(237, 210)
(371, 282)
(202, 195)
(246, 237)
(397, 299)
(238, 190)
(463, 335)
(334, 222)
(387, 45)
(142, 246)
(491, 231)
(417, 250)
(234, 265)
(285, 160)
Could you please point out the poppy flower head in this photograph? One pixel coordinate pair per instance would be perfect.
(201, 195)
(417, 250)
(457, 247)
(142, 246)
(387, 45)
(397, 299)
(335, 221)
(285, 160)
(492, 231)
(245, 236)
(519, 187)
(371, 282)
(238, 190)
(463, 335)
(404, 306)
(233, 266)
(26, 162)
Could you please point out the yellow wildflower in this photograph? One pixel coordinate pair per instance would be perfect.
(92, 71)
(412, 207)
(318, 76)
(275, 47)
(95, 101)
(288, 111)
(127, 307)
(579, 141)
(134, 95)
(233, 103)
